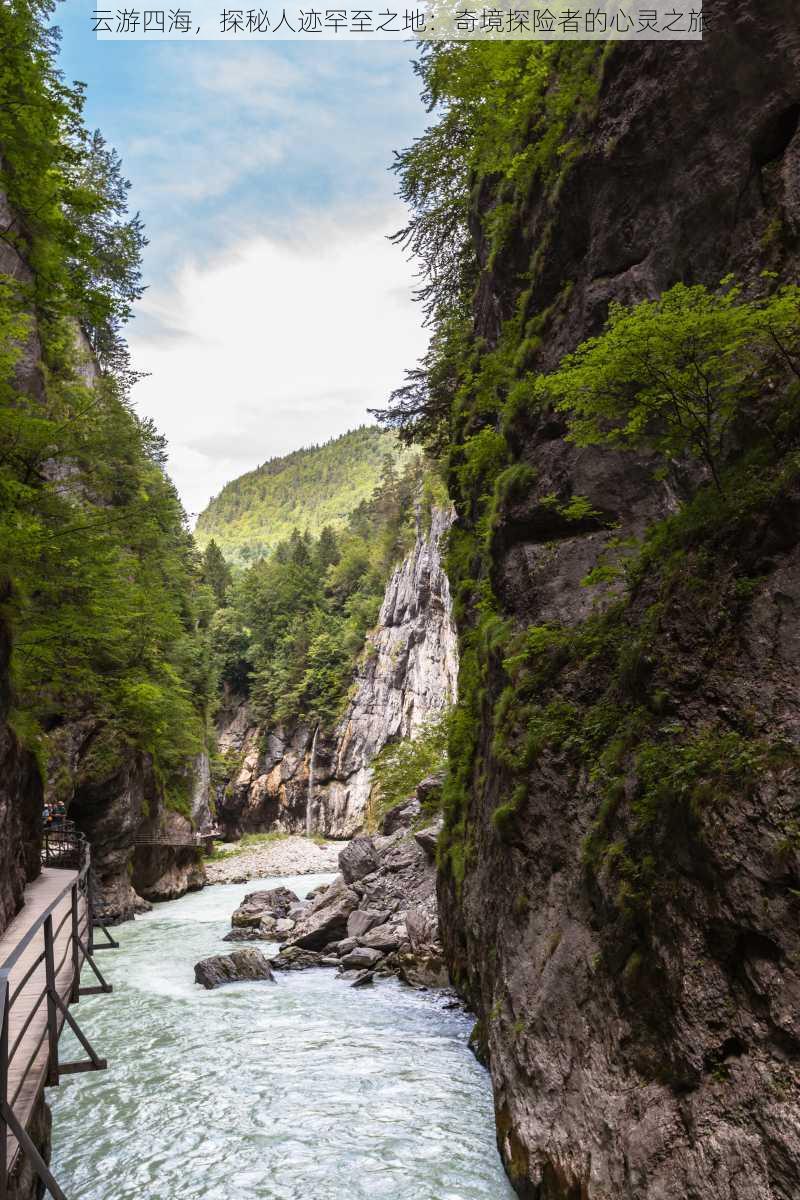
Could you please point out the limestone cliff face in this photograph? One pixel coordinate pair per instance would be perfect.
(406, 677)
(654, 1056)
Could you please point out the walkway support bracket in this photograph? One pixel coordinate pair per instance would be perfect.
(104, 986)
(95, 1063)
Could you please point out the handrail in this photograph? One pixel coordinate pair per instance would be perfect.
(37, 962)
(23, 944)
(24, 1013)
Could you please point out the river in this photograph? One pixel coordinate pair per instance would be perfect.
(305, 1089)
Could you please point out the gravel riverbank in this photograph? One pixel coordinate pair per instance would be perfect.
(284, 856)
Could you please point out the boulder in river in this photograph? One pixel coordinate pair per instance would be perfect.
(275, 902)
(363, 919)
(247, 933)
(326, 917)
(362, 958)
(293, 958)
(237, 967)
(383, 937)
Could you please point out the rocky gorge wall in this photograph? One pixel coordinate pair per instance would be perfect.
(123, 813)
(635, 970)
(407, 676)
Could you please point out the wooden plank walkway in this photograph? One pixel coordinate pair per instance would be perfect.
(28, 1067)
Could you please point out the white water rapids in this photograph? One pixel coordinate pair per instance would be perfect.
(305, 1089)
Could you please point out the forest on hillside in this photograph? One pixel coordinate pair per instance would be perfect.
(290, 628)
(307, 490)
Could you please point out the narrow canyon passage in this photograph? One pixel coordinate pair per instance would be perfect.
(304, 1089)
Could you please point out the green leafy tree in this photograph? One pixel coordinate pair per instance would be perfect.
(676, 374)
(327, 552)
(109, 615)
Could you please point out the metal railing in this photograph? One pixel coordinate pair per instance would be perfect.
(35, 1006)
(197, 839)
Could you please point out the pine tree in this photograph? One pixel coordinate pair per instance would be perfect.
(327, 551)
(216, 573)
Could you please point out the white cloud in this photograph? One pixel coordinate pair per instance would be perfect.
(276, 345)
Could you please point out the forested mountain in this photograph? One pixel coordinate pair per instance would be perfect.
(612, 385)
(305, 490)
(292, 625)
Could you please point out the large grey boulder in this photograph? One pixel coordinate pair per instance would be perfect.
(361, 959)
(422, 927)
(429, 790)
(247, 933)
(274, 902)
(326, 918)
(292, 958)
(363, 919)
(359, 858)
(237, 967)
(381, 937)
(427, 838)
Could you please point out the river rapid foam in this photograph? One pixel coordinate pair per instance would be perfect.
(304, 1089)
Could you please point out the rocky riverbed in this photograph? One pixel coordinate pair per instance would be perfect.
(271, 1091)
(283, 856)
(377, 918)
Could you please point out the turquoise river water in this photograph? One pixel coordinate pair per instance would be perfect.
(305, 1089)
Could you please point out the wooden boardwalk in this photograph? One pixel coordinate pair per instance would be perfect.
(28, 1034)
(41, 955)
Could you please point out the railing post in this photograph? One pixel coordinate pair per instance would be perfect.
(4, 998)
(76, 950)
(90, 908)
(52, 1020)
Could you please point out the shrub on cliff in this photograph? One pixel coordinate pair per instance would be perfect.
(400, 766)
(681, 374)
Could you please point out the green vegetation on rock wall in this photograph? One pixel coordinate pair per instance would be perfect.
(697, 375)
(306, 490)
(107, 609)
(613, 385)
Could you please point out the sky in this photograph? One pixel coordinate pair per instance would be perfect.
(277, 311)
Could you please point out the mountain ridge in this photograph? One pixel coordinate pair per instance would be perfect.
(306, 489)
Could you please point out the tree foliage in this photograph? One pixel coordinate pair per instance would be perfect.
(107, 606)
(307, 489)
(505, 113)
(402, 765)
(677, 373)
(216, 573)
